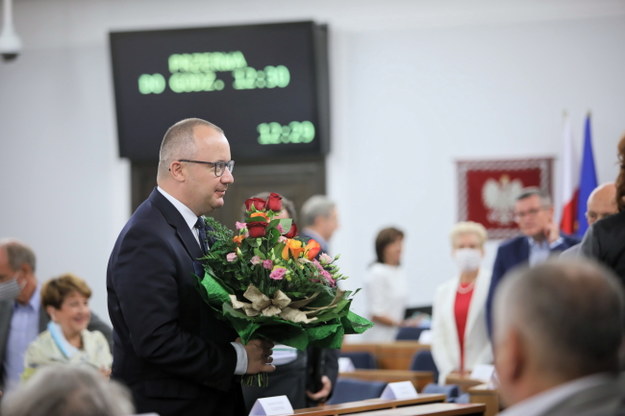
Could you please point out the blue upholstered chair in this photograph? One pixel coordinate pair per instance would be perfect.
(409, 333)
(349, 390)
(361, 359)
(423, 361)
(450, 390)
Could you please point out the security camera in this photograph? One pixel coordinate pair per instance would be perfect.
(10, 43)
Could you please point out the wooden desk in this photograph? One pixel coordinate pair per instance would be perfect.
(463, 382)
(418, 378)
(365, 405)
(390, 355)
(487, 395)
(435, 409)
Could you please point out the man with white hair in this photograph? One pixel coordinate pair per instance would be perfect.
(320, 219)
(558, 329)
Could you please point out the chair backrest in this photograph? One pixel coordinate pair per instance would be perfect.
(423, 361)
(450, 390)
(410, 333)
(350, 390)
(361, 359)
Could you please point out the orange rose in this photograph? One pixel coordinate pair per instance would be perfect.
(312, 249)
(294, 247)
(238, 238)
(260, 214)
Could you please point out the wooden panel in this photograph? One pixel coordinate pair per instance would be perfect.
(487, 395)
(391, 355)
(365, 405)
(418, 378)
(435, 409)
(464, 382)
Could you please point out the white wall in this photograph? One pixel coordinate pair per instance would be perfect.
(415, 86)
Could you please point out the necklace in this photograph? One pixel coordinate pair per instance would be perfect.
(463, 290)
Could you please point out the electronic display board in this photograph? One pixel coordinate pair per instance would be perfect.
(266, 85)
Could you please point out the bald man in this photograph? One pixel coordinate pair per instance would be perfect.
(171, 349)
(601, 203)
(556, 345)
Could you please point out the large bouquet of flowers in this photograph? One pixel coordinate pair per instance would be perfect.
(267, 283)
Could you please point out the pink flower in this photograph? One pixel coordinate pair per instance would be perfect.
(255, 260)
(282, 239)
(280, 228)
(325, 258)
(231, 257)
(267, 264)
(277, 273)
(240, 225)
(326, 275)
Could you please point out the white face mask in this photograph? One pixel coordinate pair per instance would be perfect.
(468, 259)
(10, 290)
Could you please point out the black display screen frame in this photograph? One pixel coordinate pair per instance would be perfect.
(302, 47)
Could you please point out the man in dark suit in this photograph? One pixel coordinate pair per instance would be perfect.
(170, 348)
(320, 221)
(533, 212)
(21, 316)
(558, 330)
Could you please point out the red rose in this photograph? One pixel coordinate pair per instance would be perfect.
(256, 228)
(258, 203)
(274, 202)
(292, 231)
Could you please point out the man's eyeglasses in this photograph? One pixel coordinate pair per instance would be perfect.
(219, 167)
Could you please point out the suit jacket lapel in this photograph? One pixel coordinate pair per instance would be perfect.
(174, 219)
(524, 250)
(6, 312)
(43, 319)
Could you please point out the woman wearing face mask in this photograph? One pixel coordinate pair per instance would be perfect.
(459, 335)
(67, 340)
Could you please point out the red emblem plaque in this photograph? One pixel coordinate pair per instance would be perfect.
(487, 190)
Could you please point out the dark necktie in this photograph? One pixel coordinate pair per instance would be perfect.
(201, 227)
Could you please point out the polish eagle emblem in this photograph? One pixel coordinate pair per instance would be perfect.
(499, 198)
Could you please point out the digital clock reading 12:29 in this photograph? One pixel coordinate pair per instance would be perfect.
(265, 85)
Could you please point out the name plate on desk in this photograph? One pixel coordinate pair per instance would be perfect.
(272, 406)
(483, 372)
(399, 390)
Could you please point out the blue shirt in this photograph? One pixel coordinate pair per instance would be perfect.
(23, 330)
(540, 251)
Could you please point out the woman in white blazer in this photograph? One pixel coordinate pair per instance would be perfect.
(459, 335)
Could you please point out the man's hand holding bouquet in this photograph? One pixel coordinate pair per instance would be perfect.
(269, 284)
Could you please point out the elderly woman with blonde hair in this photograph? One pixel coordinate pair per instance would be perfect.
(459, 335)
(67, 340)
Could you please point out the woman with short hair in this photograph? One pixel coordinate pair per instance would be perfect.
(459, 335)
(67, 340)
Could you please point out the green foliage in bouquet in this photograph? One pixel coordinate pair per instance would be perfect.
(269, 284)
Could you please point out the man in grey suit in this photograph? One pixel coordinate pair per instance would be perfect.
(558, 329)
(21, 316)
